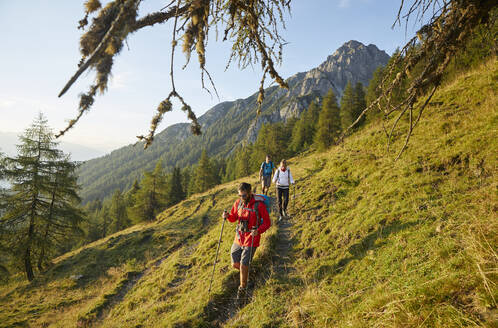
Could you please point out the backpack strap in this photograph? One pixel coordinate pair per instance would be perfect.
(254, 210)
(257, 214)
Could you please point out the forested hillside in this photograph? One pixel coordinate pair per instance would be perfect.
(229, 124)
(371, 242)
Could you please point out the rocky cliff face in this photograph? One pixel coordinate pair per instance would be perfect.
(353, 62)
(231, 123)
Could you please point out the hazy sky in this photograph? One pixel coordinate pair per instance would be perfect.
(39, 53)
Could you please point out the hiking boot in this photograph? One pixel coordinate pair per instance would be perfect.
(285, 214)
(241, 293)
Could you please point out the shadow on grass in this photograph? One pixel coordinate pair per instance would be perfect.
(360, 249)
(92, 263)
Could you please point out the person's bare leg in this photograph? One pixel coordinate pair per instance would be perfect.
(236, 266)
(244, 270)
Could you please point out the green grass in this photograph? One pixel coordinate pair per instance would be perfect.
(375, 243)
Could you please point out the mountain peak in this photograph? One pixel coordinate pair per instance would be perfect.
(352, 62)
(352, 44)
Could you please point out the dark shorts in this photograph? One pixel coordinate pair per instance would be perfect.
(266, 180)
(241, 254)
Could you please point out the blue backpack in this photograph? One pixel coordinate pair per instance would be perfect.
(267, 168)
(265, 199)
(259, 199)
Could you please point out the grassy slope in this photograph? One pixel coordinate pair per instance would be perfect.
(375, 243)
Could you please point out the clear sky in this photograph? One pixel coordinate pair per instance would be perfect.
(39, 53)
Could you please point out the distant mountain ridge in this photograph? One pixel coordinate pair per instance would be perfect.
(9, 140)
(230, 123)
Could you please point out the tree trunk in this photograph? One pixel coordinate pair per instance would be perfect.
(50, 214)
(104, 228)
(42, 253)
(27, 255)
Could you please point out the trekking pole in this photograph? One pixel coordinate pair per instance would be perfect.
(294, 198)
(216, 257)
(250, 255)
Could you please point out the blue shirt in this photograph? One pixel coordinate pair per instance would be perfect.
(267, 168)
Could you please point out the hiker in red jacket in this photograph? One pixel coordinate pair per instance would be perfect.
(248, 232)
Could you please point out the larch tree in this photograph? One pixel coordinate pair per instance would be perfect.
(359, 103)
(348, 106)
(105, 220)
(117, 212)
(253, 28)
(373, 92)
(352, 104)
(243, 162)
(310, 119)
(63, 217)
(175, 191)
(329, 122)
(93, 226)
(204, 174)
(150, 198)
(130, 194)
(40, 206)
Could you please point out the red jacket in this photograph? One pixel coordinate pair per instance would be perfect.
(244, 238)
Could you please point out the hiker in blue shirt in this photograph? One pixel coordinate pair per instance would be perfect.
(265, 173)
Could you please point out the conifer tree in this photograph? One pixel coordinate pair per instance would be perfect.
(329, 124)
(261, 145)
(352, 104)
(298, 134)
(150, 199)
(204, 174)
(304, 129)
(130, 194)
(117, 212)
(373, 92)
(187, 174)
(63, 218)
(311, 121)
(222, 167)
(243, 161)
(175, 191)
(359, 103)
(93, 227)
(230, 170)
(105, 219)
(41, 201)
(347, 106)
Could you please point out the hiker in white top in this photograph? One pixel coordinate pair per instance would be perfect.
(283, 179)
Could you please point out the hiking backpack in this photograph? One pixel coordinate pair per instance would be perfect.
(288, 174)
(259, 199)
(267, 168)
(264, 199)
